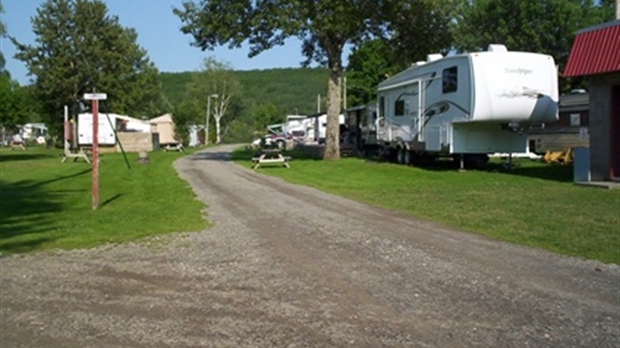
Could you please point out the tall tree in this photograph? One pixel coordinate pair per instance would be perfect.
(369, 64)
(2, 35)
(419, 28)
(18, 105)
(217, 82)
(546, 26)
(264, 115)
(78, 48)
(324, 27)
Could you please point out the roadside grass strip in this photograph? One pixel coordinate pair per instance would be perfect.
(45, 204)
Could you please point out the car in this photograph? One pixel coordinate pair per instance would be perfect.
(276, 140)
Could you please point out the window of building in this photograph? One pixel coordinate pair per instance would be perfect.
(575, 120)
(450, 81)
(382, 107)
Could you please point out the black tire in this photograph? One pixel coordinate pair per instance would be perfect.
(408, 159)
(403, 156)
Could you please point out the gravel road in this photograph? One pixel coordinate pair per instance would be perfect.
(289, 266)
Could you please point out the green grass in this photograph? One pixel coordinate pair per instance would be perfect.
(534, 204)
(45, 204)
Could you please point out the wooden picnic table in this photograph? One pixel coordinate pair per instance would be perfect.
(270, 156)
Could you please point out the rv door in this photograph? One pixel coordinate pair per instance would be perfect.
(380, 122)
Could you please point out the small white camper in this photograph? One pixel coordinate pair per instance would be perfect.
(108, 123)
(469, 104)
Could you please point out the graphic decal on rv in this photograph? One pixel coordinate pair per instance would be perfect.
(519, 71)
(442, 107)
(521, 92)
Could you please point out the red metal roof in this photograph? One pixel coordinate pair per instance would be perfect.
(596, 50)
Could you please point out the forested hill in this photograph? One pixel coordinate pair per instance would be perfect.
(291, 90)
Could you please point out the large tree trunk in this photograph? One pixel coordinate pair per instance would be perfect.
(332, 133)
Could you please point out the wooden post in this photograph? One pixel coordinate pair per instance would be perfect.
(95, 97)
(95, 162)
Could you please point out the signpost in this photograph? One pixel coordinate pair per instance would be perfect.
(95, 98)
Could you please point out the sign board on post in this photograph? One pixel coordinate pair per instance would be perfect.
(95, 98)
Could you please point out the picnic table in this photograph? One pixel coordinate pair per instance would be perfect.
(270, 156)
(17, 143)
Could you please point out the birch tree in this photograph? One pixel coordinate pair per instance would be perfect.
(216, 78)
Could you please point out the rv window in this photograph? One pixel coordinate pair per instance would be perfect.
(399, 108)
(449, 80)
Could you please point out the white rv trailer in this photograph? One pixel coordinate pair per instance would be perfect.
(108, 123)
(469, 104)
(318, 126)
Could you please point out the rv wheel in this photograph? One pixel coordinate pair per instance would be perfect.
(408, 159)
(401, 156)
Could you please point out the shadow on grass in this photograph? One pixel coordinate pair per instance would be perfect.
(26, 207)
(111, 199)
(22, 246)
(24, 156)
(538, 170)
(526, 168)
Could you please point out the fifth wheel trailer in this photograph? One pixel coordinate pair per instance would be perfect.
(467, 105)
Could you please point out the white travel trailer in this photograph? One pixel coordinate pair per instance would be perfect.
(34, 131)
(469, 104)
(108, 123)
(318, 127)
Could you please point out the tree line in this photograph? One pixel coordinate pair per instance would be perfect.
(81, 48)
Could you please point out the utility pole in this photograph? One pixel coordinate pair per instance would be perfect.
(208, 116)
(94, 98)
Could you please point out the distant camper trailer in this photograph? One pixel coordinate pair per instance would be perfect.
(571, 130)
(470, 105)
(31, 131)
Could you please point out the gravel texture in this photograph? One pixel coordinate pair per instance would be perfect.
(289, 266)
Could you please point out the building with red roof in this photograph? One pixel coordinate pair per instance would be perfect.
(595, 54)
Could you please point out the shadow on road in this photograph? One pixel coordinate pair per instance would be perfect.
(211, 156)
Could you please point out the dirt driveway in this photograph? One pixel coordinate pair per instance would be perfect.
(289, 266)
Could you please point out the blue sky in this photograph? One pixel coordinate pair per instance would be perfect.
(158, 33)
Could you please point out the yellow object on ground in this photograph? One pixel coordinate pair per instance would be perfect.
(561, 157)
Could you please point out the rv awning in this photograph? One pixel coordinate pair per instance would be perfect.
(596, 50)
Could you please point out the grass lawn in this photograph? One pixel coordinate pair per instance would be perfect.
(45, 204)
(534, 204)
